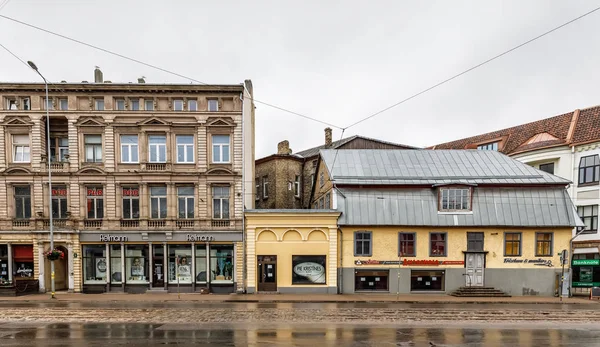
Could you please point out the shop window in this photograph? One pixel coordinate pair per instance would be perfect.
(455, 199)
(22, 202)
(407, 244)
(129, 149)
(427, 280)
(185, 149)
(512, 244)
(363, 243)
(180, 264)
(131, 202)
(309, 269)
(437, 244)
(589, 215)
(136, 264)
(93, 148)
(220, 202)
(543, 244)
(116, 269)
(220, 145)
(201, 264)
(157, 148)
(371, 280)
(221, 263)
(59, 202)
(4, 264)
(21, 149)
(475, 242)
(59, 149)
(23, 262)
(158, 202)
(95, 203)
(589, 169)
(94, 264)
(185, 202)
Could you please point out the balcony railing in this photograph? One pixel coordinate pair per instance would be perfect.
(130, 223)
(185, 223)
(56, 222)
(56, 166)
(157, 223)
(21, 223)
(158, 167)
(92, 223)
(220, 223)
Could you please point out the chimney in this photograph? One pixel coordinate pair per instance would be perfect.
(283, 147)
(98, 77)
(328, 140)
(142, 79)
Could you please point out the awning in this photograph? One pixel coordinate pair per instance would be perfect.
(586, 250)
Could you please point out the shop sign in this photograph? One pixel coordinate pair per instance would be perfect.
(586, 262)
(308, 269)
(113, 238)
(131, 192)
(538, 262)
(199, 238)
(59, 191)
(410, 262)
(94, 192)
(586, 284)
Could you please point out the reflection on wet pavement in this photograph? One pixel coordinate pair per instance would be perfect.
(24, 334)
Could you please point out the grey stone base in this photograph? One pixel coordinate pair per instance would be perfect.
(298, 290)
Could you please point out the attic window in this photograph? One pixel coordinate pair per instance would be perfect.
(454, 199)
(492, 146)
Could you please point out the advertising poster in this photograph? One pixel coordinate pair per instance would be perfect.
(308, 269)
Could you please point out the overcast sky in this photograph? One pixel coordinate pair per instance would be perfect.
(337, 61)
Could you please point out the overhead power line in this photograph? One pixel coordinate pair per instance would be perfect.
(472, 68)
(137, 61)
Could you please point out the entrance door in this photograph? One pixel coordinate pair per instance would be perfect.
(61, 281)
(158, 271)
(475, 266)
(267, 273)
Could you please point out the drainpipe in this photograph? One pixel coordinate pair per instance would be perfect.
(341, 256)
(244, 178)
(573, 172)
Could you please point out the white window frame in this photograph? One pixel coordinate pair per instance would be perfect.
(265, 184)
(128, 199)
(45, 103)
(26, 104)
(62, 150)
(213, 105)
(159, 197)
(146, 102)
(130, 150)
(193, 102)
(257, 193)
(490, 146)
(97, 103)
(222, 200)
(176, 102)
(10, 102)
(98, 200)
(455, 205)
(135, 102)
(60, 104)
(21, 149)
(187, 201)
(187, 148)
(120, 105)
(297, 186)
(158, 147)
(221, 149)
(95, 146)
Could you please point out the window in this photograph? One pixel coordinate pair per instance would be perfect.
(95, 203)
(120, 104)
(492, 146)
(93, 148)
(321, 204)
(48, 104)
(180, 264)
(63, 104)
(407, 244)
(135, 104)
(257, 192)
(200, 263)
(22, 202)
(437, 244)
(59, 202)
(312, 180)
(158, 202)
(265, 184)
(548, 167)
(543, 244)
(589, 215)
(94, 264)
(427, 280)
(221, 263)
(213, 105)
(455, 199)
(157, 148)
(129, 149)
(297, 186)
(99, 104)
(327, 201)
(21, 150)
(220, 145)
(322, 179)
(12, 104)
(371, 280)
(185, 148)
(475, 242)
(178, 105)
(59, 149)
(315, 205)
(149, 105)
(185, 202)
(589, 169)
(363, 243)
(136, 264)
(131, 202)
(192, 105)
(4, 263)
(220, 202)
(512, 244)
(116, 274)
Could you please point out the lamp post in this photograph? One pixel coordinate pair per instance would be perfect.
(35, 68)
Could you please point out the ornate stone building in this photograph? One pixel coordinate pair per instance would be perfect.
(147, 185)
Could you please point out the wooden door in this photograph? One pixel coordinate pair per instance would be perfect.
(475, 269)
(267, 273)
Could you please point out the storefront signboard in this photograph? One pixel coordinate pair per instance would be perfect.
(410, 262)
(592, 262)
(539, 261)
(308, 269)
(184, 237)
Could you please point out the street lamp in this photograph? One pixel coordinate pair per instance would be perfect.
(35, 68)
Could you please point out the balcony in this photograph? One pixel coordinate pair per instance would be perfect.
(56, 222)
(157, 223)
(60, 166)
(220, 223)
(156, 167)
(185, 223)
(21, 223)
(92, 223)
(130, 223)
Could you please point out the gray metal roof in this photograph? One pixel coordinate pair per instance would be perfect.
(515, 207)
(307, 153)
(425, 167)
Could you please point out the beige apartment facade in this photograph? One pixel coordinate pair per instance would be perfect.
(147, 185)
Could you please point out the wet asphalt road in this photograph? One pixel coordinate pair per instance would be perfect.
(105, 335)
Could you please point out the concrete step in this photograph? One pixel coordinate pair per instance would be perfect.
(157, 291)
(479, 292)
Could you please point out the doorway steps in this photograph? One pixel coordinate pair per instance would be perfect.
(479, 292)
(157, 291)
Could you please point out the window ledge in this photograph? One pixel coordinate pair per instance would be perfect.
(590, 184)
(455, 212)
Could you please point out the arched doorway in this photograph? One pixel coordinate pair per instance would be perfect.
(61, 273)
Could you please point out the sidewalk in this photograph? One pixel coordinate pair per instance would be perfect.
(294, 298)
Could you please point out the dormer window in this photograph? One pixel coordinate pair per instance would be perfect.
(455, 199)
(492, 146)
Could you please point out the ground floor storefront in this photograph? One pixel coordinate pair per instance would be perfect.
(168, 262)
(585, 267)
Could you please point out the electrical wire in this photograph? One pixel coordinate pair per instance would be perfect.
(159, 68)
(4, 4)
(471, 68)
